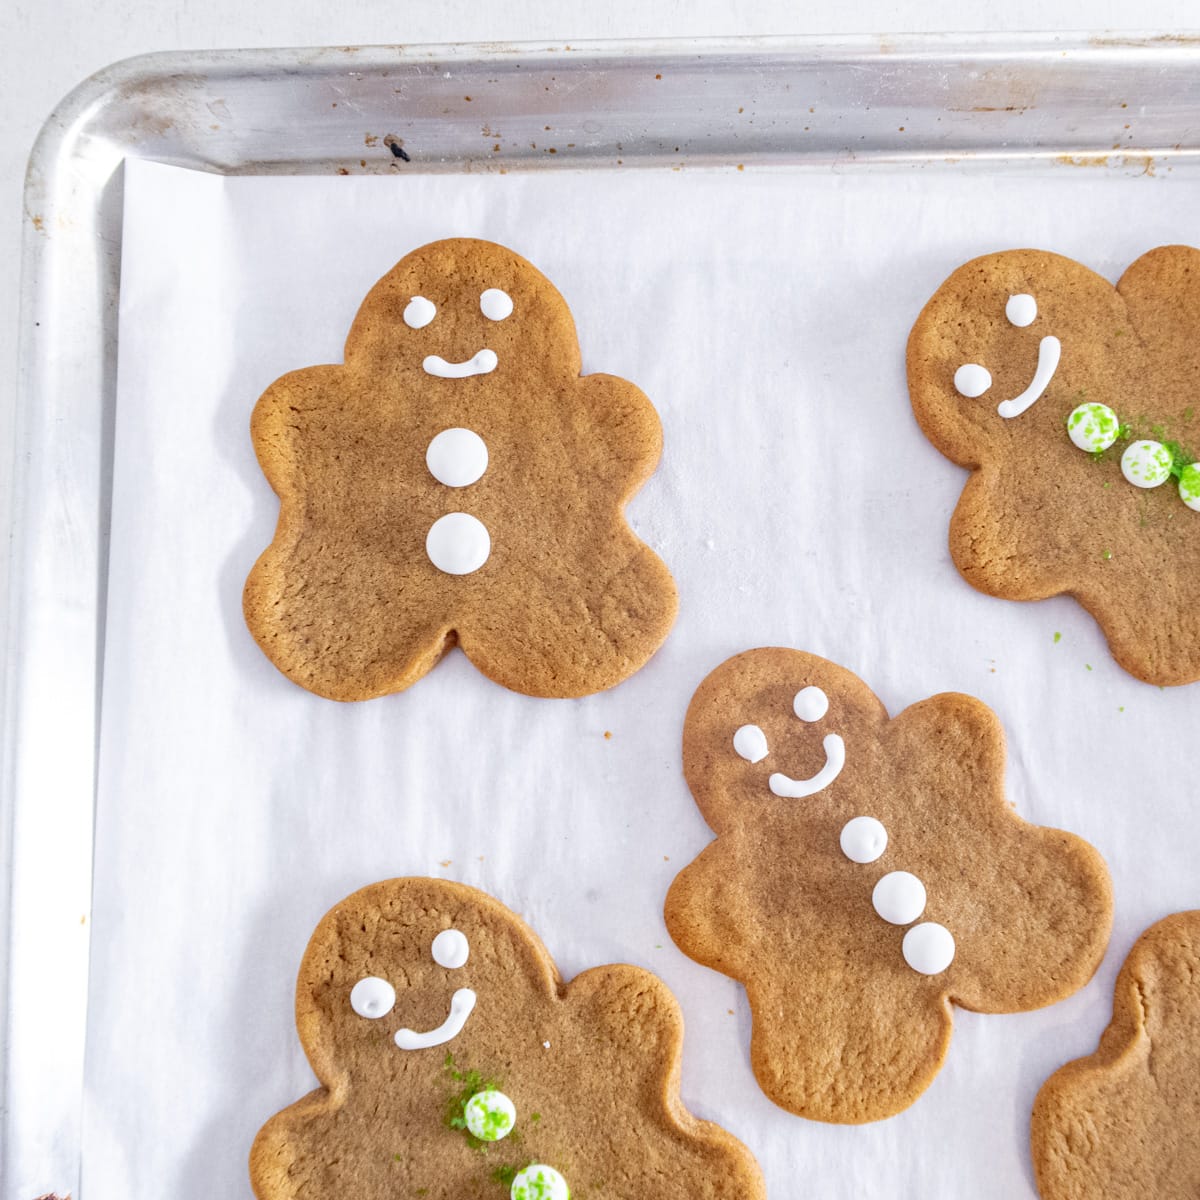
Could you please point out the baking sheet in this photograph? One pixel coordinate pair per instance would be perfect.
(764, 312)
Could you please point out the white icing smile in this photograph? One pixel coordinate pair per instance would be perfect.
(1049, 353)
(483, 363)
(809, 704)
(795, 789)
(461, 1004)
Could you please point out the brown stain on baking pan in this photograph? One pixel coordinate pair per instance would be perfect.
(1145, 161)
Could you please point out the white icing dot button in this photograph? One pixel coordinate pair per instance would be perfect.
(1146, 464)
(928, 948)
(451, 949)
(972, 380)
(810, 704)
(419, 312)
(495, 304)
(490, 1115)
(1021, 310)
(1093, 427)
(539, 1182)
(457, 457)
(863, 839)
(372, 997)
(751, 743)
(1189, 486)
(899, 897)
(458, 543)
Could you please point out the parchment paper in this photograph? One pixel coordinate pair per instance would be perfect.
(765, 313)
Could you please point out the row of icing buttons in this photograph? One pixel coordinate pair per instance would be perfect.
(899, 898)
(457, 543)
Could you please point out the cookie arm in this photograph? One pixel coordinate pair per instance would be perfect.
(1108, 1117)
(618, 415)
(278, 1153)
(636, 1024)
(1030, 907)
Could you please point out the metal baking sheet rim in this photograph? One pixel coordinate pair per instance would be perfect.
(977, 102)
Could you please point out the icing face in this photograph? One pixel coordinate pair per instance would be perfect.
(495, 304)
(809, 704)
(973, 380)
(373, 998)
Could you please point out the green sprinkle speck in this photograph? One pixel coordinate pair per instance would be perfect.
(1106, 555)
(1088, 665)
(535, 1117)
(1057, 638)
(1121, 708)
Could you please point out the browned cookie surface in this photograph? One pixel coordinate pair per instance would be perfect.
(852, 1011)
(591, 1067)
(347, 600)
(1039, 516)
(1122, 1124)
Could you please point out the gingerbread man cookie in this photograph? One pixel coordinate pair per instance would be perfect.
(867, 873)
(1075, 404)
(455, 1064)
(1121, 1124)
(457, 482)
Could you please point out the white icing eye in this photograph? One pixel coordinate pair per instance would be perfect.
(751, 743)
(810, 704)
(972, 380)
(899, 897)
(495, 304)
(928, 948)
(1021, 310)
(450, 949)
(419, 312)
(372, 997)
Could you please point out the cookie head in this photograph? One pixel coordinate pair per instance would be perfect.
(1001, 350)
(464, 309)
(787, 735)
(413, 968)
